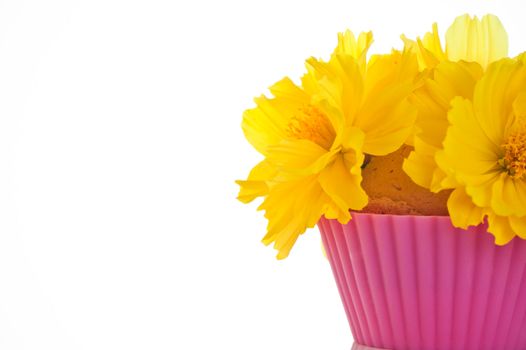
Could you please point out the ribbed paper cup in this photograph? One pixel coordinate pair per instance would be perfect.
(418, 283)
(357, 346)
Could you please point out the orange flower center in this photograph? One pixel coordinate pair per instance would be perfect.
(514, 160)
(309, 123)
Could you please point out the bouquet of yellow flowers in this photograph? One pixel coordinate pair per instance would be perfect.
(413, 166)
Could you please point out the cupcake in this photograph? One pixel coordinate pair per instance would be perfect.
(413, 166)
(391, 190)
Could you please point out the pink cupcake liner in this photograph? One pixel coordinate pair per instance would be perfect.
(357, 346)
(417, 282)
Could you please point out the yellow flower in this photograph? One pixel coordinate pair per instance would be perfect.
(314, 137)
(471, 44)
(483, 41)
(432, 100)
(467, 39)
(484, 153)
(429, 49)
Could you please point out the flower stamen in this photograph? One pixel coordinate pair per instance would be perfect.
(514, 160)
(309, 123)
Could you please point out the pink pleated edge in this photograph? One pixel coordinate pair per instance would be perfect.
(432, 276)
(357, 346)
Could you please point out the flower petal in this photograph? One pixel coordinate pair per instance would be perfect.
(500, 227)
(332, 211)
(508, 196)
(420, 164)
(483, 41)
(340, 82)
(267, 124)
(342, 186)
(299, 157)
(462, 211)
(357, 48)
(494, 96)
(433, 99)
(518, 224)
(431, 42)
(482, 188)
(291, 208)
(519, 106)
(467, 150)
(257, 183)
(429, 50)
(386, 118)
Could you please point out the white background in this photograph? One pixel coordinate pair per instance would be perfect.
(120, 141)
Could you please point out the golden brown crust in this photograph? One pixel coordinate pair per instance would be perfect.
(391, 191)
(386, 205)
